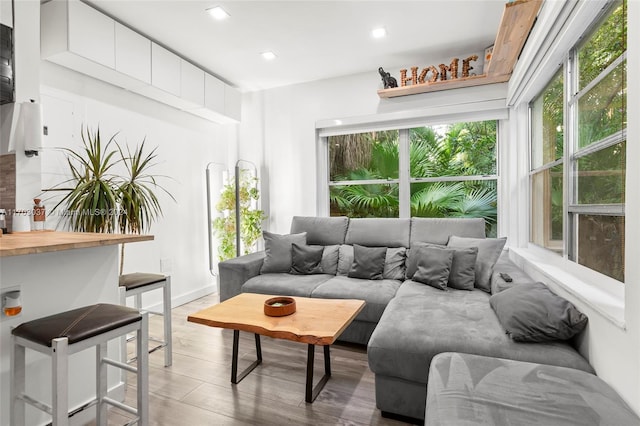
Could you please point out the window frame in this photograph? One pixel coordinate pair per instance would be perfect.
(572, 153)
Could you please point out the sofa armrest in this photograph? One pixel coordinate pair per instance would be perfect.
(235, 272)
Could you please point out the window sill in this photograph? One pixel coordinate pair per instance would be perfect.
(601, 293)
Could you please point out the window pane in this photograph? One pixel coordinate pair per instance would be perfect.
(602, 110)
(375, 200)
(364, 156)
(603, 47)
(547, 118)
(456, 199)
(601, 244)
(546, 208)
(601, 176)
(460, 149)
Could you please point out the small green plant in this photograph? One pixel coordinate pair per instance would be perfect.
(250, 218)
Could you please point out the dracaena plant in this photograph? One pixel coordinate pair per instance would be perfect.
(102, 200)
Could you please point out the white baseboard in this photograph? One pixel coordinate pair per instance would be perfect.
(185, 298)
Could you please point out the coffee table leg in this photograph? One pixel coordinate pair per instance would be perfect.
(311, 391)
(234, 360)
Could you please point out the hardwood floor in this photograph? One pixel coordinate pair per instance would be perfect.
(196, 390)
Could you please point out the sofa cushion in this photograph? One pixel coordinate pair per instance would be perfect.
(377, 294)
(434, 267)
(533, 313)
(378, 232)
(278, 251)
(368, 262)
(284, 284)
(421, 322)
(437, 230)
(306, 259)
(506, 266)
(468, 389)
(321, 231)
(489, 250)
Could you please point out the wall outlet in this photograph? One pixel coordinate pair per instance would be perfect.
(165, 265)
(11, 301)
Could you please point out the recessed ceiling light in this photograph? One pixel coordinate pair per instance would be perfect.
(218, 13)
(269, 55)
(379, 32)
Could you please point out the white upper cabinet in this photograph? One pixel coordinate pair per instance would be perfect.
(165, 70)
(192, 83)
(214, 94)
(75, 35)
(133, 54)
(6, 13)
(91, 34)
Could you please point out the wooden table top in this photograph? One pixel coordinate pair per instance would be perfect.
(21, 243)
(316, 321)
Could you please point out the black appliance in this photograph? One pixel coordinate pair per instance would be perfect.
(7, 85)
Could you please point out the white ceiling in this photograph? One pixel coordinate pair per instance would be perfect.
(313, 40)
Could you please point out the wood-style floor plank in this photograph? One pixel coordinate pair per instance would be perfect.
(196, 390)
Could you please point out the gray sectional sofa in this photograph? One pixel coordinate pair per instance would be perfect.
(405, 323)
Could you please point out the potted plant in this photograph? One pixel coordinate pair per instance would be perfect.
(250, 217)
(102, 200)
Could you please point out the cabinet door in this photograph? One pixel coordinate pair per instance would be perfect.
(133, 54)
(91, 34)
(213, 94)
(165, 70)
(232, 102)
(192, 83)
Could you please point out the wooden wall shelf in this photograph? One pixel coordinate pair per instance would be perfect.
(516, 24)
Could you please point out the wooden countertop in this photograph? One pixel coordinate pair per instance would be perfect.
(21, 243)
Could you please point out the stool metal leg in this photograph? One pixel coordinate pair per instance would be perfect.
(143, 370)
(17, 372)
(101, 384)
(60, 382)
(123, 341)
(168, 349)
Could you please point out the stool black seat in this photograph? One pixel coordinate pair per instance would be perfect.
(66, 333)
(77, 324)
(140, 279)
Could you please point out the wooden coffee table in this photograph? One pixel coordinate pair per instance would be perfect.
(317, 322)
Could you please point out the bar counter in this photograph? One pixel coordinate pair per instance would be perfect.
(21, 243)
(56, 272)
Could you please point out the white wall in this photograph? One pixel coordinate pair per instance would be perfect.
(185, 145)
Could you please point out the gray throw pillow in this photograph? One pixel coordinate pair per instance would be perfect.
(414, 254)
(278, 251)
(345, 259)
(533, 313)
(329, 262)
(394, 263)
(462, 275)
(434, 267)
(489, 250)
(305, 260)
(368, 262)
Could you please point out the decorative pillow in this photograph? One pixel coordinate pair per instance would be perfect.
(305, 260)
(533, 313)
(462, 275)
(345, 259)
(278, 251)
(368, 262)
(329, 262)
(394, 263)
(434, 266)
(489, 250)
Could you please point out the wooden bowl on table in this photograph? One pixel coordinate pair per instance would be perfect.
(279, 306)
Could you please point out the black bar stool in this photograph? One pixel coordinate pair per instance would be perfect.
(64, 334)
(134, 285)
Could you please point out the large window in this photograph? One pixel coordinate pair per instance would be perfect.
(578, 175)
(430, 171)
